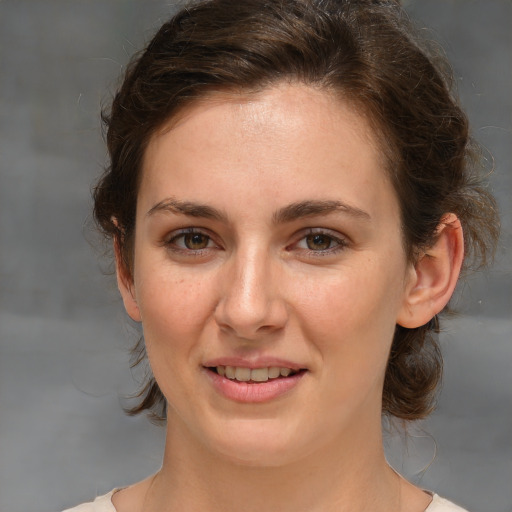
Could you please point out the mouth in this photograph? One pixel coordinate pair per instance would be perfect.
(254, 375)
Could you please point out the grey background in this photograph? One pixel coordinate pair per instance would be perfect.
(63, 337)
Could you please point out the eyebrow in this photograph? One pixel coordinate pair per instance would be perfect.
(188, 208)
(311, 208)
(289, 213)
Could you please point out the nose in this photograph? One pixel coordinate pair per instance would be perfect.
(251, 304)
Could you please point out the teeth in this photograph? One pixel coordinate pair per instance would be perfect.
(256, 374)
(274, 372)
(243, 374)
(259, 374)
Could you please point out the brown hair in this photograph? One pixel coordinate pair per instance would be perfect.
(363, 51)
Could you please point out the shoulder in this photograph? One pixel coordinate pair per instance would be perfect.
(439, 504)
(100, 504)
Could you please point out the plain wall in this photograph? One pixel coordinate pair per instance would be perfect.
(64, 339)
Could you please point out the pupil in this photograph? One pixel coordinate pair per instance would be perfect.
(196, 241)
(316, 242)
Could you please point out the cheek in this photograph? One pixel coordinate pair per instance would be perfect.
(173, 307)
(351, 315)
(350, 321)
(174, 310)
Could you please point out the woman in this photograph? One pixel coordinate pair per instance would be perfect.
(291, 199)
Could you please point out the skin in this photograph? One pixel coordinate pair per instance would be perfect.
(323, 291)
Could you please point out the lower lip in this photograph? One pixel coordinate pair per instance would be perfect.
(253, 392)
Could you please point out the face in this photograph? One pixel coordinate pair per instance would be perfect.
(269, 273)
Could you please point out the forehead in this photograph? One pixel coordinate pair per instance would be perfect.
(299, 140)
(279, 105)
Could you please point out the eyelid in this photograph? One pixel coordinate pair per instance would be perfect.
(192, 230)
(342, 241)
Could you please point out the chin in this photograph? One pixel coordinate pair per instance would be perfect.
(259, 457)
(258, 444)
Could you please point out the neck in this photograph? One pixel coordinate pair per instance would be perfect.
(346, 474)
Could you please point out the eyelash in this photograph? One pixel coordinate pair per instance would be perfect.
(340, 242)
(171, 244)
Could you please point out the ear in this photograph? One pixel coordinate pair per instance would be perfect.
(125, 284)
(433, 278)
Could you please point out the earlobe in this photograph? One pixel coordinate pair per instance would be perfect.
(433, 278)
(126, 285)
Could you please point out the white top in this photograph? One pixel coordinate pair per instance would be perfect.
(104, 504)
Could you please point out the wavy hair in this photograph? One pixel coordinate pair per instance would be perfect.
(366, 53)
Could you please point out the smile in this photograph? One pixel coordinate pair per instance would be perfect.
(243, 374)
(253, 385)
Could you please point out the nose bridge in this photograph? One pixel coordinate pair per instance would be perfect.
(249, 286)
(251, 303)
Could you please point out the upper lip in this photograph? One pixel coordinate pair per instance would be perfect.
(260, 362)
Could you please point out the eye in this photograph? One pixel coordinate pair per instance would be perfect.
(190, 240)
(195, 241)
(321, 242)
